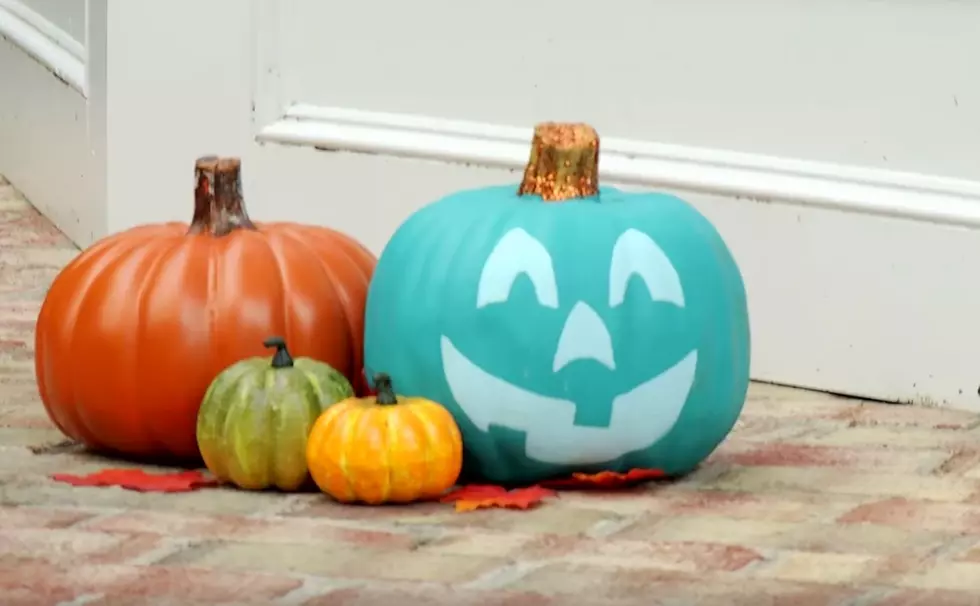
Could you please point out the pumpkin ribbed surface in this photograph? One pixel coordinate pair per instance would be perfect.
(255, 418)
(359, 450)
(135, 328)
(568, 326)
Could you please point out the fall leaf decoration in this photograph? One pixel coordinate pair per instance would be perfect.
(480, 496)
(605, 480)
(139, 480)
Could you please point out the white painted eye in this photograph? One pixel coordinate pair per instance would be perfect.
(517, 253)
(636, 253)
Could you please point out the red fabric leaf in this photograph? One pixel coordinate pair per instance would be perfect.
(604, 480)
(139, 480)
(479, 496)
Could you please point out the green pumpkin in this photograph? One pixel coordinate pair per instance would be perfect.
(567, 327)
(257, 414)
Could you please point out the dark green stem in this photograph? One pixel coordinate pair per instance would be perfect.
(281, 359)
(384, 389)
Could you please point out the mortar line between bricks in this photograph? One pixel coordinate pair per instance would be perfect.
(874, 595)
(273, 514)
(314, 587)
(952, 547)
(605, 528)
(288, 505)
(406, 530)
(99, 514)
(505, 575)
(423, 531)
(171, 546)
(768, 558)
(87, 598)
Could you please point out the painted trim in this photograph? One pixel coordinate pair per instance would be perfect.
(47, 43)
(869, 191)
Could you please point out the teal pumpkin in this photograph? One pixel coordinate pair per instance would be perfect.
(567, 327)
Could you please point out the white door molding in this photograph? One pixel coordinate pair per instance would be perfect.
(48, 44)
(928, 198)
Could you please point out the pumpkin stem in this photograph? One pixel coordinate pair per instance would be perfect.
(281, 359)
(218, 205)
(564, 162)
(384, 390)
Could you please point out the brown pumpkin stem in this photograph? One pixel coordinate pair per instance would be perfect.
(384, 390)
(218, 205)
(564, 162)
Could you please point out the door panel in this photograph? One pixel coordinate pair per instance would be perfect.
(863, 82)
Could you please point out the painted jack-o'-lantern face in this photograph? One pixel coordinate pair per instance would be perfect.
(623, 423)
(604, 332)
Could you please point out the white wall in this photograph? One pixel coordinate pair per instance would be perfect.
(172, 102)
(879, 84)
(833, 143)
(52, 142)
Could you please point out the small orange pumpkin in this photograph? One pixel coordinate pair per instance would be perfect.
(385, 448)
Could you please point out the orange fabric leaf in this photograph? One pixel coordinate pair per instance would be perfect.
(605, 480)
(139, 480)
(479, 496)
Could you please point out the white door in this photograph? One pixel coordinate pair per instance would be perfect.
(835, 144)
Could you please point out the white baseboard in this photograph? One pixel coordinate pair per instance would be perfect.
(860, 281)
(45, 42)
(918, 197)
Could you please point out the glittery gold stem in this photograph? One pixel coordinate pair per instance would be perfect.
(564, 162)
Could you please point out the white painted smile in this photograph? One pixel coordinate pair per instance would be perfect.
(640, 417)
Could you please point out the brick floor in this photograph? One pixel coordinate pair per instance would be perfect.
(814, 500)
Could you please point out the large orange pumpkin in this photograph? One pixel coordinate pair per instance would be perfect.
(135, 328)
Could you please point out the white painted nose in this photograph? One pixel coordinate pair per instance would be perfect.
(584, 337)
